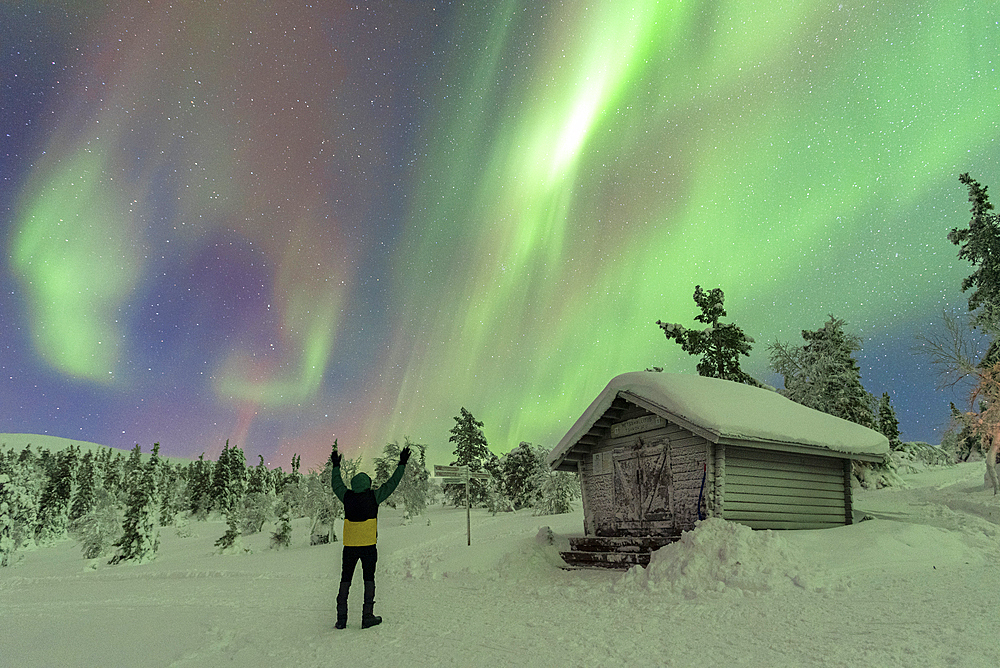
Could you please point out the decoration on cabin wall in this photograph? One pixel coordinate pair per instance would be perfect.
(603, 463)
(636, 425)
(643, 488)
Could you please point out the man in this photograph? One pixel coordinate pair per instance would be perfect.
(361, 504)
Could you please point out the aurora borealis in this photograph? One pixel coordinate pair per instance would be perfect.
(283, 223)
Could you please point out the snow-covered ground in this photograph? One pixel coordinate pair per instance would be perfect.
(916, 586)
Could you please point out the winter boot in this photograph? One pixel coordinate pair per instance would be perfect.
(368, 618)
(345, 588)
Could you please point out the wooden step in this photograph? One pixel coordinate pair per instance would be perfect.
(620, 543)
(616, 560)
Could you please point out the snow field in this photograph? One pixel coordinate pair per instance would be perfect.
(915, 586)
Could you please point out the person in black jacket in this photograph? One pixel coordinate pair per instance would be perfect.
(361, 504)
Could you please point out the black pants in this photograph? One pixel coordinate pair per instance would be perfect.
(368, 556)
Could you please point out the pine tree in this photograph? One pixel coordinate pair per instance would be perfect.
(97, 530)
(139, 540)
(112, 472)
(231, 540)
(558, 490)
(321, 506)
(7, 547)
(520, 475)
(170, 494)
(86, 488)
(132, 463)
(980, 244)
(20, 493)
(259, 481)
(720, 345)
(294, 491)
(18, 508)
(413, 489)
(199, 491)
(53, 515)
(823, 374)
(282, 536)
(471, 450)
(888, 425)
(237, 475)
(259, 500)
(221, 486)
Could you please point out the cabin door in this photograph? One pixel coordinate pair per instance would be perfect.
(643, 490)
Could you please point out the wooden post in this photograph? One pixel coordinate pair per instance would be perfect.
(468, 513)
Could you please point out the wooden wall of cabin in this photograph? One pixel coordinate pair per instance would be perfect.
(767, 489)
(608, 503)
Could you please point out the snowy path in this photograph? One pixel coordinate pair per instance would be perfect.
(915, 587)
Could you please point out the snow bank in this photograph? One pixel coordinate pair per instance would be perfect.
(718, 557)
(519, 545)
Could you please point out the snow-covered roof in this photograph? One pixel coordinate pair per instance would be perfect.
(723, 409)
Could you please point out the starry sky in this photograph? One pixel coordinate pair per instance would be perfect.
(286, 222)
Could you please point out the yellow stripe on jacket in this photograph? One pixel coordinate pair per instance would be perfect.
(360, 534)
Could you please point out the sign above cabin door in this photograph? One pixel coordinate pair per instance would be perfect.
(643, 502)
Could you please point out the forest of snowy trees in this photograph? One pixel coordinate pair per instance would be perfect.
(114, 504)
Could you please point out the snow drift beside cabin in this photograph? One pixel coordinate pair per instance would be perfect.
(726, 409)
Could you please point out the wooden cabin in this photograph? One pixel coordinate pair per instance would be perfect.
(656, 452)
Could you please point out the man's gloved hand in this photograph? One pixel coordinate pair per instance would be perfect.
(404, 456)
(335, 458)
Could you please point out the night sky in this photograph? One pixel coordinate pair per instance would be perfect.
(282, 223)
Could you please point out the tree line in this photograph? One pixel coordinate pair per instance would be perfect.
(114, 504)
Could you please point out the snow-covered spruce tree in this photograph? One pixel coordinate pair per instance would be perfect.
(258, 504)
(97, 530)
(129, 466)
(139, 540)
(979, 243)
(558, 491)
(294, 489)
(7, 547)
(823, 374)
(222, 498)
(282, 535)
(321, 506)
(17, 508)
(86, 488)
(111, 467)
(258, 481)
(171, 493)
(231, 540)
(720, 345)
(21, 493)
(53, 513)
(471, 450)
(520, 475)
(412, 491)
(276, 480)
(238, 474)
(199, 487)
(888, 425)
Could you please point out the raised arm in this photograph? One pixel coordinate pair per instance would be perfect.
(337, 480)
(383, 492)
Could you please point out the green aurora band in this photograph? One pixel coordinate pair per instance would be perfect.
(585, 167)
